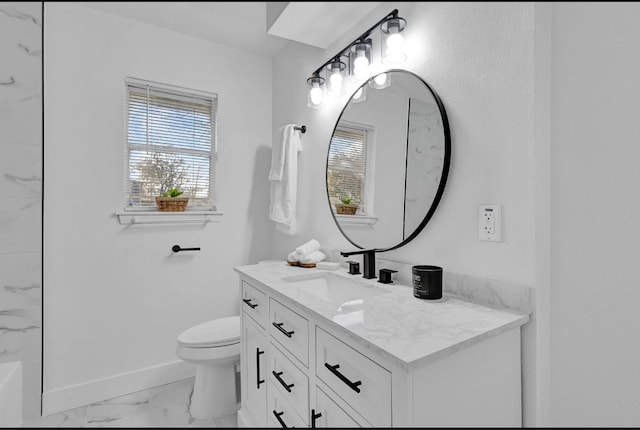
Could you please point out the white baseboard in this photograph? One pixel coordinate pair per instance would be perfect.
(74, 396)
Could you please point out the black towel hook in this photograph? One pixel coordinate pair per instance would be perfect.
(302, 128)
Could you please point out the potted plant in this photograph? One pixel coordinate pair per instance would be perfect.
(346, 207)
(170, 201)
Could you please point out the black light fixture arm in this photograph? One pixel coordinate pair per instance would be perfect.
(362, 37)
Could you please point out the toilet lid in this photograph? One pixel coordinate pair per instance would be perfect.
(218, 332)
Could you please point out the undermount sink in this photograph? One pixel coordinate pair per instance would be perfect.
(333, 288)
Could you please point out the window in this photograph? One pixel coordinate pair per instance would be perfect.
(171, 143)
(349, 156)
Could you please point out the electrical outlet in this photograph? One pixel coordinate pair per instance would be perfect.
(490, 223)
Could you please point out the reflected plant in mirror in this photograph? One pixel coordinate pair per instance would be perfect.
(390, 153)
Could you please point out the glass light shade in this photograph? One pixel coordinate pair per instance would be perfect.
(392, 45)
(360, 59)
(336, 77)
(360, 95)
(380, 81)
(315, 93)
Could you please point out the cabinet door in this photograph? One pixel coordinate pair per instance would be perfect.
(328, 414)
(254, 371)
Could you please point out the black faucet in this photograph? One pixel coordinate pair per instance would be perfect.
(368, 261)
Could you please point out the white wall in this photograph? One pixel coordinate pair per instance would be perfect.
(115, 296)
(595, 213)
(479, 58)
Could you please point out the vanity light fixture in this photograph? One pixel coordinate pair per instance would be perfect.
(359, 56)
(392, 45)
(315, 93)
(336, 76)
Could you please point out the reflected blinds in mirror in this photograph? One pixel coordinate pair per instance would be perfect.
(347, 165)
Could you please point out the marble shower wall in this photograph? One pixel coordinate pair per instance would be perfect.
(21, 146)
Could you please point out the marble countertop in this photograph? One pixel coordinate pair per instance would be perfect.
(387, 317)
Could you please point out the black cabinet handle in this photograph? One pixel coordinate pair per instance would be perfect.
(277, 414)
(279, 327)
(251, 305)
(258, 353)
(284, 384)
(314, 417)
(334, 369)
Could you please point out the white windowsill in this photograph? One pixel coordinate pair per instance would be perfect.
(157, 217)
(356, 219)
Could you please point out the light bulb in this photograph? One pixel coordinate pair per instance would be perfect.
(360, 64)
(315, 94)
(336, 80)
(380, 79)
(395, 41)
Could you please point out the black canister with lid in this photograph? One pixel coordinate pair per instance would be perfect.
(427, 282)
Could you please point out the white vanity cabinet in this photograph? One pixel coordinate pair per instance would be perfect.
(253, 358)
(320, 373)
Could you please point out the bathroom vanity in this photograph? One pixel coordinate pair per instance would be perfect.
(329, 349)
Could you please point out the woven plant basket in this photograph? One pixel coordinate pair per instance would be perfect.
(172, 204)
(343, 209)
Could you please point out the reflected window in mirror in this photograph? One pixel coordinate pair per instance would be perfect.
(349, 165)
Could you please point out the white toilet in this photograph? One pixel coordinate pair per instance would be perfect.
(214, 347)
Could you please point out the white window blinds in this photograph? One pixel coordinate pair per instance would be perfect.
(171, 142)
(347, 165)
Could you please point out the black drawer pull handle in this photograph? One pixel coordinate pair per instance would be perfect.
(352, 385)
(279, 327)
(314, 417)
(284, 384)
(258, 353)
(251, 305)
(277, 414)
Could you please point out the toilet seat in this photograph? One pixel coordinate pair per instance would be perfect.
(212, 334)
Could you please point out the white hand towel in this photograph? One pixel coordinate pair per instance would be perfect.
(284, 180)
(308, 248)
(314, 257)
(278, 153)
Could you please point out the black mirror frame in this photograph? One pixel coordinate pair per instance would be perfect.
(443, 178)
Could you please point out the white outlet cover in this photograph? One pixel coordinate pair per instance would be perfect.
(490, 223)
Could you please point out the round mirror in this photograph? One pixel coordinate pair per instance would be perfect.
(388, 161)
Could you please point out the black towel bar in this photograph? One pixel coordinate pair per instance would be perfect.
(176, 248)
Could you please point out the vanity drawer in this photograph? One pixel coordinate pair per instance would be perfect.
(254, 304)
(281, 413)
(290, 329)
(291, 381)
(360, 382)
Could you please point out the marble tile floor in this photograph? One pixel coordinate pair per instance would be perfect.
(164, 406)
